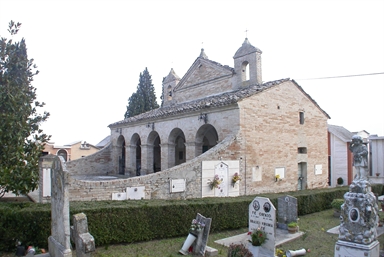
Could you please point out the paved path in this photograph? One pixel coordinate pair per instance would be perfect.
(282, 236)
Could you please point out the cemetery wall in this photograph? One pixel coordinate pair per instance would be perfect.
(95, 164)
(157, 185)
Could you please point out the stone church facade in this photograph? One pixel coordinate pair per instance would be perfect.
(215, 119)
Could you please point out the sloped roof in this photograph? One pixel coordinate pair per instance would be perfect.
(171, 77)
(341, 132)
(104, 142)
(219, 100)
(196, 63)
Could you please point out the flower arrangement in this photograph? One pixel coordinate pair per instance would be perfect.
(235, 178)
(277, 177)
(196, 227)
(280, 252)
(258, 237)
(215, 182)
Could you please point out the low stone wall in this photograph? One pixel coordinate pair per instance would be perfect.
(157, 185)
(94, 164)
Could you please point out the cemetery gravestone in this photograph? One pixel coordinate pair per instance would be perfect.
(286, 211)
(262, 215)
(202, 239)
(84, 241)
(59, 242)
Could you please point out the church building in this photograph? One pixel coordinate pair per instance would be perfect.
(221, 131)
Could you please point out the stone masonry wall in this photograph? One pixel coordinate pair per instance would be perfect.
(98, 163)
(272, 134)
(192, 90)
(157, 185)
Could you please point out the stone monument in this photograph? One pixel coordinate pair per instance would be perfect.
(359, 213)
(262, 216)
(59, 242)
(286, 211)
(84, 241)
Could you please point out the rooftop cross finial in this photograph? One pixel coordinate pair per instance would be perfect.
(246, 33)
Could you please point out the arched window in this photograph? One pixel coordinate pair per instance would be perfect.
(245, 71)
(63, 153)
(169, 92)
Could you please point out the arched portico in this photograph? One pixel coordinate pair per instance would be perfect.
(153, 152)
(135, 155)
(206, 138)
(176, 147)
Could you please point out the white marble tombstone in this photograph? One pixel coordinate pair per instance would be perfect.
(262, 215)
(222, 171)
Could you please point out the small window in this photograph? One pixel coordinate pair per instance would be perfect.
(301, 117)
(302, 150)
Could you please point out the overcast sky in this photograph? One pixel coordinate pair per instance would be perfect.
(90, 53)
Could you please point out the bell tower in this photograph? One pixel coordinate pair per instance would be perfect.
(169, 83)
(247, 65)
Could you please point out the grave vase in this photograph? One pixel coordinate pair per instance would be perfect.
(188, 242)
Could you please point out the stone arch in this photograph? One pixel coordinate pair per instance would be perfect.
(206, 138)
(154, 152)
(135, 155)
(177, 150)
(63, 153)
(245, 71)
(121, 152)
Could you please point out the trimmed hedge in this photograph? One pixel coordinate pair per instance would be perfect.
(114, 222)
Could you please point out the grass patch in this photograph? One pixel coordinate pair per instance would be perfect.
(316, 238)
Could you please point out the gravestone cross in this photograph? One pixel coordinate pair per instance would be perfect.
(262, 215)
(286, 211)
(59, 242)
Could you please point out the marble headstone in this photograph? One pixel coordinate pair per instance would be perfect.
(286, 211)
(262, 215)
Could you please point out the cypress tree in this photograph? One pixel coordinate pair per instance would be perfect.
(144, 99)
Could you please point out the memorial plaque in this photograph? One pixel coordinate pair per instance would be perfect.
(286, 211)
(262, 215)
(135, 193)
(177, 185)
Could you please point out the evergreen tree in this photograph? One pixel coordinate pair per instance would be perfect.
(21, 139)
(144, 99)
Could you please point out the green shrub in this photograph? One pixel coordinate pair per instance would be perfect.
(336, 203)
(115, 222)
(292, 224)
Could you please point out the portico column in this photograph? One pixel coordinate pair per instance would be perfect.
(164, 156)
(167, 155)
(190, 150)
(198, 148)
(131, 160)
(144, 160)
